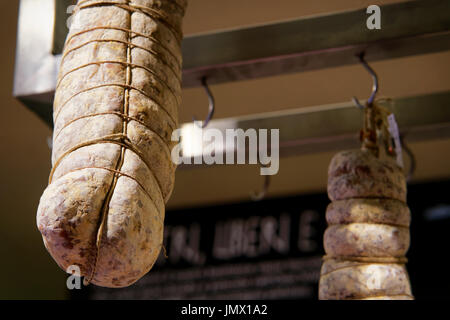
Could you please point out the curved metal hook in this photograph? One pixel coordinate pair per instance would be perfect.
(375, 86)
(211, 107)
(258, 196)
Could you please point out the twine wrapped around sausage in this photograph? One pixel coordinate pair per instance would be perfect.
(368, 227)
(116, 105)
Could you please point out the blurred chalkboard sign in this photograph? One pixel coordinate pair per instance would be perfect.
(272, 250)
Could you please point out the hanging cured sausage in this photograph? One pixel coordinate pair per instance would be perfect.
(116, 105)
(368, 222)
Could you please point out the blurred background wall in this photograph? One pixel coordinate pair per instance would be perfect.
(27, 269)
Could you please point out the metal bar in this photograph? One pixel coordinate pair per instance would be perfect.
(408, 28)
(330, 127)
(36, 67)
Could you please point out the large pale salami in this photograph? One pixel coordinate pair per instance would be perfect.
(115, 108)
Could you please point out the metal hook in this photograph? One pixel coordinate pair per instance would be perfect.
(375, 86)
(211, 107)
(258, 196)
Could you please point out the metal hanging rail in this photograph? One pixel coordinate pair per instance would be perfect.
(330, 127)
(408, 28)
(305, 44)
